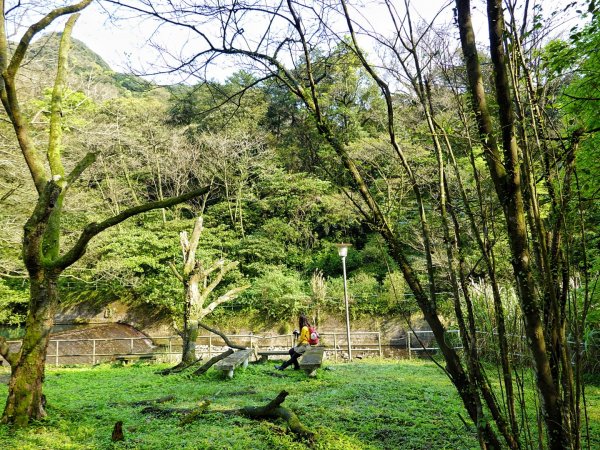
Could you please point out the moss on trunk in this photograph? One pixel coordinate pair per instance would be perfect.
(25, 400)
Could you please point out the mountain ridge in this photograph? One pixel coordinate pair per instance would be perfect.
(87, 71)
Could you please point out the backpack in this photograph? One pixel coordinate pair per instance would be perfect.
(313, 336)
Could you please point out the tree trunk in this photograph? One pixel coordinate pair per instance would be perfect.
(190, 334)
(25, 398)
(504, 168)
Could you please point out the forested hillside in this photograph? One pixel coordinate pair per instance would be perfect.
(279, 199)
(270, 207)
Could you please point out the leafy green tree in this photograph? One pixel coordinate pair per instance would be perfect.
(43, 255)
(279, 294)
(575, 64)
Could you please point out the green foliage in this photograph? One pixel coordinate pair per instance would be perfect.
(363, 288)
(395, 295)
(132, 83)
(14, 297)
(576, 64)
(276, 205)
(369, 298)
(350, 98)
(278, 293)
(77, 109)
(139, 256)
(237, 107)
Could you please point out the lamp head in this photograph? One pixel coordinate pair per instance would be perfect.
(343, 249)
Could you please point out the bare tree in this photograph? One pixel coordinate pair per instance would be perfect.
(199, 282)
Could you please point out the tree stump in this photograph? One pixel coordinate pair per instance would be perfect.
(117, 433)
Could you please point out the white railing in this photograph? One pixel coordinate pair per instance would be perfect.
(424, 339)
(168, 348)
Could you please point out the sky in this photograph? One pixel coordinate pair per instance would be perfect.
(119, 44)
(124, 45)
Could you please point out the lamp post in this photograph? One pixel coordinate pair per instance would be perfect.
(343, 252)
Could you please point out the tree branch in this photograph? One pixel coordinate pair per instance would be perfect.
(225, 338)
(229, 295)
(190, 254)
(214, 283)
(55, 132)
(95, 228)
(85, 162)
(274, 410)
(10, 192)
(37, 224)
(8, 90)
(175, 271)
(212, 361)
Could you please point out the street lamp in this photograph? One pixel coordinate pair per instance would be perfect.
(343, 252)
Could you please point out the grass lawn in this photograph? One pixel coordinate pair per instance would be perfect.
(368, 404)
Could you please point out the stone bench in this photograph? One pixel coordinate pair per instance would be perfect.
(312, 359)
(264, 354)
(125, 359)
(233, 361)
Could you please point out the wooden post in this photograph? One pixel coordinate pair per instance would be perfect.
(56, 355)
(131, 346)
(408, 343)
(93, 351)
(170, 348)
(379, 343)
(209, 346)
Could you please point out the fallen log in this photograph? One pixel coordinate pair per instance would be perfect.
(166, 398)
(274, 410)
(179, 367)
(271, 411)
(212, 361)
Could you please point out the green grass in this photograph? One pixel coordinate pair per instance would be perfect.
(363, 405)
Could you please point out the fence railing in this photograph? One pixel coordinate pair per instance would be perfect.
(169, 348)
(424, 340)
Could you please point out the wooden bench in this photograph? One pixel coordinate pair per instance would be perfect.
(264, 354)
(311, 360)
(125, 359)
(234, 360)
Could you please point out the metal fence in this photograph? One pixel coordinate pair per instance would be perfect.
(364, 343)
(424, 340)
(169, 348)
